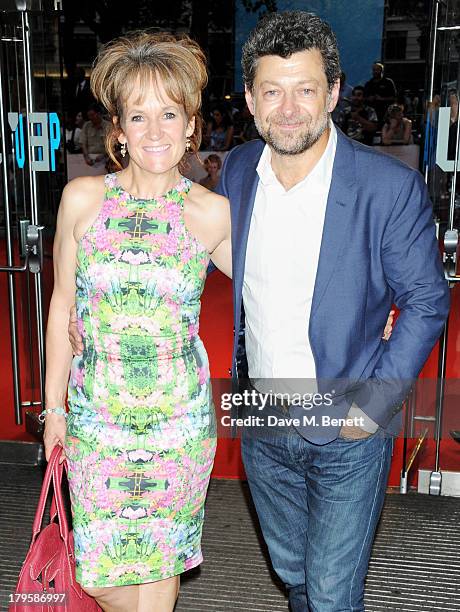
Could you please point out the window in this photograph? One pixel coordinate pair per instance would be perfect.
(395, 47)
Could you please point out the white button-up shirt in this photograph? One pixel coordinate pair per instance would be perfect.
(281, 261)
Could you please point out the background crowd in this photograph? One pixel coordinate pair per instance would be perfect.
(374, 113)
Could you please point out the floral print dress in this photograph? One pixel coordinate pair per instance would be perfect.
(141, 428)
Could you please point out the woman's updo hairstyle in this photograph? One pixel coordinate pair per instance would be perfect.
(140, 58)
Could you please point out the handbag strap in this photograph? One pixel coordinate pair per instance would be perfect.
(58, 469)
(44, 492)
(53, 508)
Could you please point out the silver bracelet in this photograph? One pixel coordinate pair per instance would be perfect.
(59, 410)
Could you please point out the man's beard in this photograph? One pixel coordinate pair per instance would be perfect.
(295, 143)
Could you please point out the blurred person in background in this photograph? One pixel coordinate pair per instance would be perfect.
(396, 129)
(77, 90)
(380, 91)
(83, 98)
(245, 128)
(219, 133)
(212, 164)
(453, 123)
(73, 133)
(92, 137)
(345, 94)
(359, 120)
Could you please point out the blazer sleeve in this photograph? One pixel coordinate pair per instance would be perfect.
(413, 270)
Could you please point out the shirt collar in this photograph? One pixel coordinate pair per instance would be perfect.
(320, 174)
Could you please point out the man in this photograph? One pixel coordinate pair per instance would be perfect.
(320, 252)
(359, 121)
(380, 91)
(321, 249)
(92, 137)
(83, 99)
(344, 100)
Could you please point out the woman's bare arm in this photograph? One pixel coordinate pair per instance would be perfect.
(208, 218)
(58, 349)
(221, 251)
(221, 257)
(407, 131)
(387, 134)
(76, 210)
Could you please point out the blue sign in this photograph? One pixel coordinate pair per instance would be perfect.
(358, 26)
(44, 139)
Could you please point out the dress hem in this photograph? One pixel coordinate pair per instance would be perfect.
(195, 563)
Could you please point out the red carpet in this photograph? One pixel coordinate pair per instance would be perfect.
(216, 331)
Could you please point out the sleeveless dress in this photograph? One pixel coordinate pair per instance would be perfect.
(141, 434)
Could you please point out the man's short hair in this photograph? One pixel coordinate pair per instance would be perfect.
(95, 107)
(286, 33)
(357, 88)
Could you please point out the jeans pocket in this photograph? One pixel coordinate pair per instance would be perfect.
(368, 437)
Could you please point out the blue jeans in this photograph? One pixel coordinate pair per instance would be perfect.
(318, 508)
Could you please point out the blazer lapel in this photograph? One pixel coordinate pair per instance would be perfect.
(243, 223)
(339, 211)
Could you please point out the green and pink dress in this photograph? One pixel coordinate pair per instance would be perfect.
(141, 429)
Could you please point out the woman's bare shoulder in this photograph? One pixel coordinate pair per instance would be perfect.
(208, 216)
(91, 187)
(83, 193)
(205, 198)
(80, 198)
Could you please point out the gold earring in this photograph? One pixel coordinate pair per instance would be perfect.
(188, 145)
(123, 149)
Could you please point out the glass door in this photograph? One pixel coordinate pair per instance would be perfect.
(33, 175)
(432, 419)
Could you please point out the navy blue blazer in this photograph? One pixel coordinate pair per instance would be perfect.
(378, 248)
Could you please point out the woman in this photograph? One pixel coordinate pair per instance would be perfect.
(133, 247)
(73, 133)
(397, 129)
(219, 135)
(212, 165)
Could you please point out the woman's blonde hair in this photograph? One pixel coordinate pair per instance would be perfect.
(140, 58)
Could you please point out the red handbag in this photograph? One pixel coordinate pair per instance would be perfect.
(47, 579)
